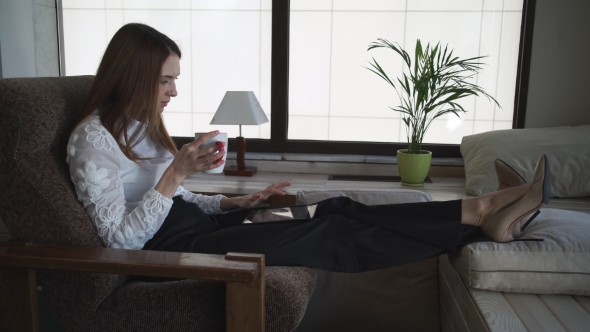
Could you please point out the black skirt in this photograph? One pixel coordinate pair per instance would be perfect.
(344, 235)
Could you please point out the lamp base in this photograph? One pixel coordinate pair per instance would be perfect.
(234, 171)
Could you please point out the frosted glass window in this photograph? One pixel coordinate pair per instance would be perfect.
(225, 44)
(356, 105)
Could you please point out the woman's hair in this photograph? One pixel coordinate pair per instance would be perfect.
(126, 87)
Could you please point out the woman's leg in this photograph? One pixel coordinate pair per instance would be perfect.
(498, 213)
(185, 220)
(398, 233)
(477, 210)
(347, 236)
(352, 237)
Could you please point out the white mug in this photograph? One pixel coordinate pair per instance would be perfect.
(221, 137)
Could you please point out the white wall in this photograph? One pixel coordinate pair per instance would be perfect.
(28, 38)
(558, 86)
(18, 38)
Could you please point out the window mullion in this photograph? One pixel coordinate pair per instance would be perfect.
(279, 90)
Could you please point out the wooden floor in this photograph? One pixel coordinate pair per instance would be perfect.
(468, 309)
(441, 188)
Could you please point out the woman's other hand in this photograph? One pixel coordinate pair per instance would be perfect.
(252, 200)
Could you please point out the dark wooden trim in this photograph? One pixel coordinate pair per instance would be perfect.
(524, 63)
(279, 87)
(333, 147)
(245, 301)
(19, 309)
(131, 262)
(357, 148)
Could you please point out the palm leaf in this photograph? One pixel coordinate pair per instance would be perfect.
(432, 87)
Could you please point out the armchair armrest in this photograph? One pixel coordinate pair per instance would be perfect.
(243, 274)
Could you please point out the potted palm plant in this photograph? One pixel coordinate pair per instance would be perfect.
(428, 89)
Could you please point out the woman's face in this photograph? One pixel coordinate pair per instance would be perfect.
(170, 72)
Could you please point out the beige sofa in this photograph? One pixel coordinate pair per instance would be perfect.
(486, 286)
(522, 285)
(525, 285)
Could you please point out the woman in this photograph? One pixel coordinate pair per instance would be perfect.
(128, 174)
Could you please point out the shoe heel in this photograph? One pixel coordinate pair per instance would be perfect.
(530, 219)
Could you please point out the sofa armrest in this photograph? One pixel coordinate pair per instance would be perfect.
(243, 274)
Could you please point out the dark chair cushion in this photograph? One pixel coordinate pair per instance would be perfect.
(172, 305)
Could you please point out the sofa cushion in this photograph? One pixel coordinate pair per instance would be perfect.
(567, 149)
(560, 264)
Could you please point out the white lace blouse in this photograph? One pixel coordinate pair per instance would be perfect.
(118, 193)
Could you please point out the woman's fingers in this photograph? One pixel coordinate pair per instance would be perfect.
(194, 160)
(210, 161)
(271, 191)
(254, 199)
(209, 158)
(279, 185)
(274, 189)
(277, 188)
(218, 146)
(199, 141)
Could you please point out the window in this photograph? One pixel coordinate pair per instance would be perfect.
(225, 45)
(310, 56)
(332, 96)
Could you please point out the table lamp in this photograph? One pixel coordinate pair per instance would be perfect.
(240, 108)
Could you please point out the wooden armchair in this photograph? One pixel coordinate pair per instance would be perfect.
(243, 274)
(87, 285)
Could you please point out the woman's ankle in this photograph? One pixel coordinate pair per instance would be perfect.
(472, 211)
(477, 210)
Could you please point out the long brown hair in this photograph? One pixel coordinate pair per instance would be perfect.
(126, 87)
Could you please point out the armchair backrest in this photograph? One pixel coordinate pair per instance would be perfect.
(37, 198)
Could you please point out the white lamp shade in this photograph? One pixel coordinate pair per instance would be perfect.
(239, 108)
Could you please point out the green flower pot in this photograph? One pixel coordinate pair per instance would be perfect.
(413, 168)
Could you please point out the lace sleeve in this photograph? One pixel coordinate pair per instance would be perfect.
(209, 204)
(95, 164)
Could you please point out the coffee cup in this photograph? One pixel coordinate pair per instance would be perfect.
(221, 137)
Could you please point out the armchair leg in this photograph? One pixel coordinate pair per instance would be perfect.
(245, 301)
(19, 309)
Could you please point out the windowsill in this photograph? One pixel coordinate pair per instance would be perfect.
(340, 164)
(441, 188)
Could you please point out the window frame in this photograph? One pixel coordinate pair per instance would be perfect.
(279, 142)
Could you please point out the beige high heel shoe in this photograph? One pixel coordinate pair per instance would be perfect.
(500, 227)
(507, 176)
